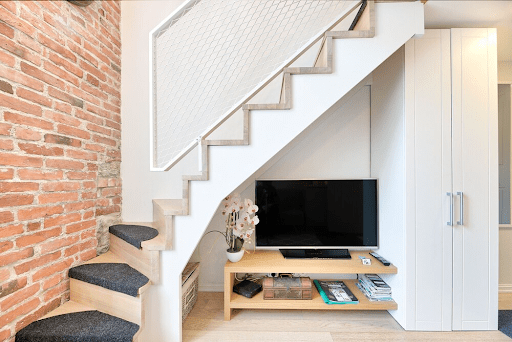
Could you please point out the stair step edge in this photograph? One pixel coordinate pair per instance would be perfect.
(170, 206)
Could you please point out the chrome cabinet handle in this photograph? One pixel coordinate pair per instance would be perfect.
(461, 212)
(450, 223)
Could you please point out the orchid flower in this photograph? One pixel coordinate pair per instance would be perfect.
(252, 209)
(255, 220)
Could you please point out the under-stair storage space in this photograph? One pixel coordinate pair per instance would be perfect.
(273, 262)
(452, 179)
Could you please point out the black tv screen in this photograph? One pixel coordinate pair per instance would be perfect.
(317, 214)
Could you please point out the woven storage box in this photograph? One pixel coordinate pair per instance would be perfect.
(287, 288)
(190, 285)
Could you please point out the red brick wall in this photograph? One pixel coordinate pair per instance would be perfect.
(59, 148)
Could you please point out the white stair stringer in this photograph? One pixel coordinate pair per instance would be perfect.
(226, 167)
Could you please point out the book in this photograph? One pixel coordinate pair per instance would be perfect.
(374, 288)
(335, 292)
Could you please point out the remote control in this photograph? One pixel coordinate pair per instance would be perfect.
(381, 259)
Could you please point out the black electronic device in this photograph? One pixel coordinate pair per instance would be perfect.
(317, 214)
(381, 259)
(315, 253)
(247, 288)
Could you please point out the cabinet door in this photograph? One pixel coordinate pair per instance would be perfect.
(428, 120)
(475, 177)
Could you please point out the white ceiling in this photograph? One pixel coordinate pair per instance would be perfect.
(469, 13)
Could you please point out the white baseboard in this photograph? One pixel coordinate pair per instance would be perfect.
(214, 288)
(505, 288)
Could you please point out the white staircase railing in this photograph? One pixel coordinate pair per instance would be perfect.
(200, 77)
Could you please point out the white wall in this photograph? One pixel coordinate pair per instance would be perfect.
(138, 19)
(504, 72)
(336, 148)
(505, 277)
(388, 165)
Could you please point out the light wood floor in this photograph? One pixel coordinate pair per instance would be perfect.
(205, 323)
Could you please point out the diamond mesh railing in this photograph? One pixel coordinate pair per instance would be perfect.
(211, 54)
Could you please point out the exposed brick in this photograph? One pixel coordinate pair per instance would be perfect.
(66, 65)
(6, 217)
(62, 118)
(30, 42)
(88, 255)
(52, 281)
(92, 80)
(89, 195)
(7, 59)
(12, 286)
(79, 206)
(33, 226)
(32, 239)
(61, 73)
(38, 212)
(59, 243)
(20, 105)
(56, 291)
(57, 197)
(36, 262)
(75, 227)
(103, 140)
(5, 274)
(9, 258)
(5, 128)
(18, 77)
(27, 120)
(62, 140)
(41, 150)
(10, 231)
(6, 30)
(18, 311)
(89, 117)
(76, 132)
(81, 175)
(60, 186)
(108, 210)
(65, 97)
(18, 297)
(64, 164)
(41, 75)
(17, 160)
(31, 174)
(83, 155)
(52, 269)
(5, 246)
(6, 144)
(63, 51)
(16, 200)
(19, 50)
(27, 134)
(43, 310)
(5, 86)
(61, 220)
(16, 22)
(34, 97)
(18, 186)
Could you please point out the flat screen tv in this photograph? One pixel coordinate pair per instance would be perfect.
(317, 214)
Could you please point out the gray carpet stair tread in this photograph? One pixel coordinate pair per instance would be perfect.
(133, 234)
(116, 277)
(85, 326)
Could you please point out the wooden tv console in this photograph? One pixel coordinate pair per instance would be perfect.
(273, 262)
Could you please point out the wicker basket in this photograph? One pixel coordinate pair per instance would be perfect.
(190, 285)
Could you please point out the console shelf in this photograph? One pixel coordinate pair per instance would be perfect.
(273, 262)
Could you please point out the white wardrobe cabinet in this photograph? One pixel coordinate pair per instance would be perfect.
(452, 180)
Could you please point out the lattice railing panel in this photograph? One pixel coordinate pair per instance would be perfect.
(211, 55)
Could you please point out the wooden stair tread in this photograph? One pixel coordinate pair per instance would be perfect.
(108, 257)
(170, 206)
(68, 307)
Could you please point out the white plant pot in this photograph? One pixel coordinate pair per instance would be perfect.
(235, 256)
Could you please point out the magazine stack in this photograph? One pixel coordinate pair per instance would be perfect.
(374, 288)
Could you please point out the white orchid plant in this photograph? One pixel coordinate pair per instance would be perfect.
(241, 220)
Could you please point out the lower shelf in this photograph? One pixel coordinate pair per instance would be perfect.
(317, 303)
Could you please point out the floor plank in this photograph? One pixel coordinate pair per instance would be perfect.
(205, 323)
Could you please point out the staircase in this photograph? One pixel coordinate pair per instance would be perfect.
(136, 285)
